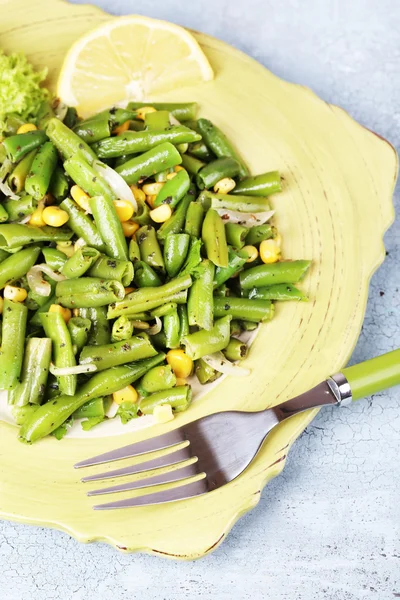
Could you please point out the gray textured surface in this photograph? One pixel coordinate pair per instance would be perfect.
(329, 527)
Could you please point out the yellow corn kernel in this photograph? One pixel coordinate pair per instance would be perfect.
(251, 252)
(143, 111)
(55, 216)
(181, 381)
(150, 200)
(124, 210)
(128, 290)
(161, 213)
(178, 168)
(66, 248)
(17, 294)
(127, 394)
(224, 186)
(152, 189)
(269, 251)
(138, 193)
(37, 216)
(121, 128)
(66, 313)
(75, 312)
(181, 363)
(1, 305)
(171, 175)
(81, 198)
(129, 228)
(163, 413)
(26, 127)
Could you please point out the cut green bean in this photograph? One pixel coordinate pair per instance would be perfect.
(15, 235)
(194, 219)
(184, 321)
(35, 370)
(17, 178)
(19, 209)
(183, 111)
(158, 378)
(289, 271)
(59, 186)
(236, 234)
(259, 185)
(216, 170)
(82, 225)
(3, 214)
(71, 117)
(200, 300)
(200, 151)
(145, 276)
(94, 129)
(41, 171)
(54, 258)
(80, 262)
(165, 309)
(150, 251)
(205, 373)
(258, 233)
(178, 398)
(204, 342)
(35, 320)
(193, 258)
(15, 315)
(219, 143)
(246, 204)
(171, 326)
(173, 190)
(236, 261)
(56, 329)
(79, 328)
(89, 292)
(157, 159)
(214, 238)
(99, 334)
(176, 247)
(17, 265)
(67, 142)
(235, 350)
(122, 329)
(118, 353)
(279, 291)
(109, 227)
(243, 308)
(93, 408)
(192, 164)
(235, 328)
(86, 176)
(134, 251)
(111, 268)
(17, 146)
(157, 120)
(142, 215)
(176, 222)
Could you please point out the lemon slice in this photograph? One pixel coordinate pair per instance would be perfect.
(130, 58)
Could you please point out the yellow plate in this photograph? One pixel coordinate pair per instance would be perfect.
(335, 208)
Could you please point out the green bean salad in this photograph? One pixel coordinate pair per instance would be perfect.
(136, 249)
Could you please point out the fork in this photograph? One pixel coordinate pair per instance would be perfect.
(220, 446)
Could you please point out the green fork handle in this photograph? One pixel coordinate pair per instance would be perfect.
(374, 375)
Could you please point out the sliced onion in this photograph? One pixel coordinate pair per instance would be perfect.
(5, 169)
(7, 191)
(156, 328)
(221, 364)
(76, 370)
(140, 325)
(37, 283)
(112, 410)
(173, 120)
(25, 220)
(60, 109)
(245, 219)
(118, 185)
(80, 242)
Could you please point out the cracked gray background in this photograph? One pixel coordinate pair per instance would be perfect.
(329, 527)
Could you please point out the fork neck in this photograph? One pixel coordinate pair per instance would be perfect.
(321, 395)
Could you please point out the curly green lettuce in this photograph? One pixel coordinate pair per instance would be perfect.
(20, 88)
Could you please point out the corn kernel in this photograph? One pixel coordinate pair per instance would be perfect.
(171, 175)
(127, 394)
(152, 189)
(251, 252)
(36, 217)
(150, 200)
(55, 216)
(124, 210)
(161, 213)
(178, 168)
(81, 198)
(181, 381)
(224, 186)
(26, 127)
(269, 251)
(64, 312)
(17, 294)
(128, 290)
(121, 128)
(1, 305)
(75, 312)
(129, 228)
(180, 362)
(66, 248)
(143, 111)
(138, 193)
(163, 413)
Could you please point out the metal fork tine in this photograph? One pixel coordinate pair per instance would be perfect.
(188, 490)
(166, 460)
(180, 473)
(150, 445)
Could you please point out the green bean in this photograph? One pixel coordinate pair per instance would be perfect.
(194, 219)
(216, 170)
(80, 262)
(178, 398)
(54, 258)
(149, 163)
(235, 350)
(35, 370)
(17, 146)
(3, 255)
(86, 176)
(159, 341)
(158, 378)
(149, 298)
(200, 300)
(192, 164)
(290, 271)
(279, 291)
(143, 141)
(204, 342)
(56, 329)
(176, 247)
(161, 177)
(42, 169)
(17, 265)
(235, 328)
(111, 268)
(236, 234)
(236, 260)
(23, 413)
(93, 129)
(157, 120)
(150, 251)
(259, 185)
(171, 326)
(116, 116)
(145, 276)
(173, 190)
(35, 300)
(91, 409)
(67, 142)
(136, 125)
(59, 186)
(193, 258)
(16, 179)
(88, 292)
(71, 117)
(214, 238)
(243, 308)
(165, 309)
(19, 209)
(52, 414)
(182, 111)
(258, 233)
(110, 228)
(205, 373)
(3, 214)
(82, 225)
(15, 315)
(251, 325)
(200, 151)
(35, 320)
(184, 321)
(15, 235)
(118, 353)
(134, 251)
(99, 334)
(142, 215)
(79, 328)
(176, 222)
(12, 123)
(219, 143)
(246, 204)
(122, 329)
